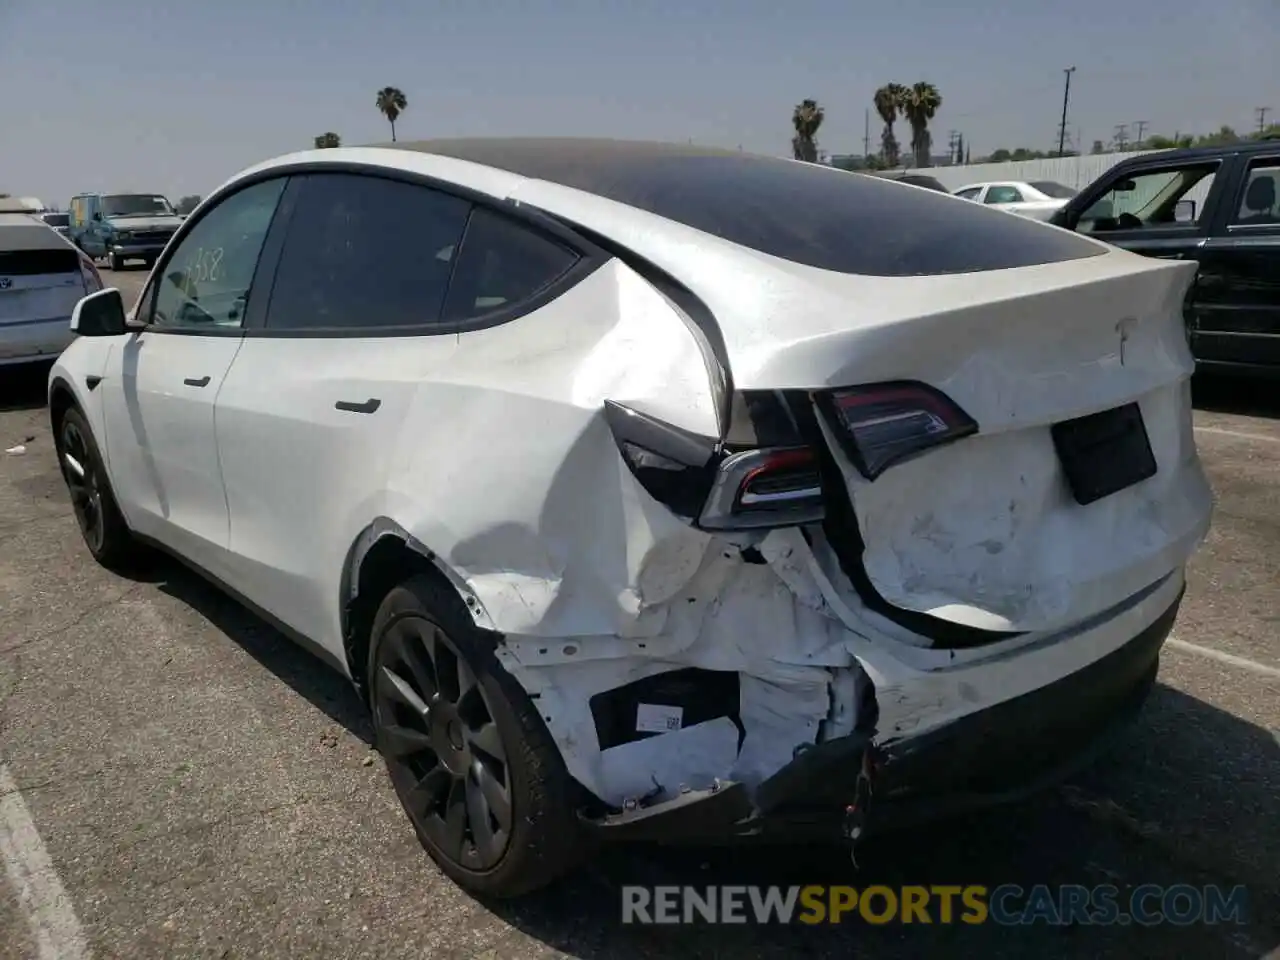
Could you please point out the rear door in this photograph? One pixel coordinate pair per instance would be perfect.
(1237, 320)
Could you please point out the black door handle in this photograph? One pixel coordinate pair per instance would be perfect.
(192, 382)
(369, 406)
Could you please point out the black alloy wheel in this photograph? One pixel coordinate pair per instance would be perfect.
(80, 470)
(442, 746)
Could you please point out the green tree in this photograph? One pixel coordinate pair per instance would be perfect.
(328, 141)
(1223, 136)
(187, 204)
(391, 103)
(888, 102)
(920, 104)
(806, 118)
(1098, 147)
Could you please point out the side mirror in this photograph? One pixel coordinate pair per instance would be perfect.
(1184, 211)
(1124, 186)
(100, 314)
(97, 215)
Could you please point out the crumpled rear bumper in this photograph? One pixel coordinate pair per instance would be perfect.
(1001, 754)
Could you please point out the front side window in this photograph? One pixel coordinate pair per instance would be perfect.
(501, 263)
(1004, 194)
(364, 252)
(206, 280)
(136, 205)
(1151, 198)
(1260, 198)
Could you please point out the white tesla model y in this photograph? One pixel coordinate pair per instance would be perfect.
(655, 491)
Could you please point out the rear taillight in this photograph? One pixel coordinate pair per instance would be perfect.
(90, 277)
(699, 480)
(886, 423)
(775, 487)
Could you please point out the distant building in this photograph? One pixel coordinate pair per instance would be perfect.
(22, 205)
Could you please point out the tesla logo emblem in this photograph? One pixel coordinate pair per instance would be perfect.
(1122, 328)
(5, 283)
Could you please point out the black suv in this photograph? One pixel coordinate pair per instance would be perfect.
(1219, 206)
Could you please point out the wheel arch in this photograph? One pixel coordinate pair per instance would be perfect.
(382, 556)
(62, 397)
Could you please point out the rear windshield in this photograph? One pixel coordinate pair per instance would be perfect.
(30, 263)
(1051, 189)
(845, 222)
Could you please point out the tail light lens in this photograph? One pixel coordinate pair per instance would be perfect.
(695, 478)
(884, 424)
(90, 277)
(776, 487)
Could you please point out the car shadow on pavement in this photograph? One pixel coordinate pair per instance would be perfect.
(1180, 798)
(299, 669)
(24, 386)
(1244, 396)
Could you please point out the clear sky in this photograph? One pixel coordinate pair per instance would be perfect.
(176, 95)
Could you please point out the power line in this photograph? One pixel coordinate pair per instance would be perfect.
(1141, 125)
(1121, 138)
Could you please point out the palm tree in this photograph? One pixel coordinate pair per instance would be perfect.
(806, 118)
(919, 106)
(326, 140)
(888, 101)
(391, 102)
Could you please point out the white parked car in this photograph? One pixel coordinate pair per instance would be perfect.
(42, 277)
(639, 511)
(1038, 199)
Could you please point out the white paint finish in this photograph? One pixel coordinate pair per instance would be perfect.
(42, 899)
(1238, 434)
(1243, 663)
(491, 450)
(160, 432)
(1000, 543)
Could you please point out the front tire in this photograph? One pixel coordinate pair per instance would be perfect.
(470, 759)
(101, 524)
(115, 261)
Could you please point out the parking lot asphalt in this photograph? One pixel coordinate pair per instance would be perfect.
(203, 788)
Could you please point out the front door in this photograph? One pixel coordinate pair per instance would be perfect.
(1238, 310)
(159, 409)
(1164, 210)
(310, 417)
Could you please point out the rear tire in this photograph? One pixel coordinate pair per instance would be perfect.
(115, 261)
(101, 524)
(469, 756)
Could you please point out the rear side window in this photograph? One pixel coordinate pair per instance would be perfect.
(1260, 196)
(969, 193)
(1003, 195)
(501, 264)
(37, 262)
(365, 252)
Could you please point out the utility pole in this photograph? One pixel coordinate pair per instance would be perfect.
(1262, 117)
(1066, 96)
(1141, 125)
(866, 134)
(951, 145)
(1122, 136)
